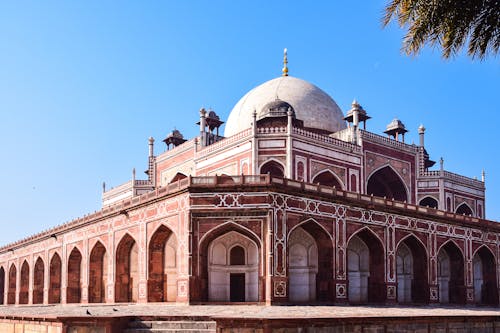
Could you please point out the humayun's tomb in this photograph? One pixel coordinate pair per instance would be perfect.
(297, 203)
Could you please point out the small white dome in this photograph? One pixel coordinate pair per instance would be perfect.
(311, 105)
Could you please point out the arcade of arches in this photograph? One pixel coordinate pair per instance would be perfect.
(231, 263)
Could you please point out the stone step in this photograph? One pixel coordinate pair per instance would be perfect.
(184, 326)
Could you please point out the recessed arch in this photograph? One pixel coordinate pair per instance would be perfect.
(272, 167)
(11, 294)
(162, 268)
(428, 201)
(328, 178)
(55, 270)
(98, 272)
(366, 267)
(38, 281)
(73, 289)
(311, 220)
(210, 247)
(386, 182)
(237, 255)
(451, 286)
(412, 270)
(485, 277)
(126, 270)
(464, 209)
(2, 285)
(24, 283)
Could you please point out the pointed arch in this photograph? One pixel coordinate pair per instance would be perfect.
(366, 267)
(11, 295)
(451, 279)
(55, 271)
(485, 277)
(178, 176)
(2, 285)
(24, 283)
(328, 178)
(428, 201)
(412, 270)
(126, 270)
(162, 274)
(464, 209)
(73, 289)
(272, 167)
(38, 281)
(98, 272)
(211, 251)
(386, 182)
(311, 220)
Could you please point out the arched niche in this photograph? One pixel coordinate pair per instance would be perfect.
(273, 168)
(429, 202)
(451, 274)
(464, 209)
(233, 268)
(485, 277)
(411, 271)
(2, 285)
(385, 182)
(73, 289)
(302, 266)
(327, 178)
(24, 283)
(365, 263)
(126, 270)
(55, 271)
(38, 281)
(98, 272)
(11, 294)
(162, 275)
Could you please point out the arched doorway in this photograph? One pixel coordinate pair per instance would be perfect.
(273, 168)
(387, 183)
(11, 294)
(55, 279)
(73, 290)
(365, 263)
(24, 283)
(302, 266)
(485, 278)
(2, 285)
(327, 178)
(464, 209)
(233, 260)
(127, 275)
(38, 280)
(429, 202)
(451, 274)
(411, 272)
(162, 278)
(98, 272)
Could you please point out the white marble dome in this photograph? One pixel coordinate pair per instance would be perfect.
(311, 105)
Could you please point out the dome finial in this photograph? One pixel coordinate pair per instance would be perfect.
(285, 63)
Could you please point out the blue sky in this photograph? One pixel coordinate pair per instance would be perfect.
(83, 84)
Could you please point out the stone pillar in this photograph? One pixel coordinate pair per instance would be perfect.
(203, 126)
(64, 271)
(341, 283)
(279, 278)
(31, 279)
(110, 281)
(85, 273)
(46, 277)
(391, 280)
(421, 132)
(142, 262)
(289, 157)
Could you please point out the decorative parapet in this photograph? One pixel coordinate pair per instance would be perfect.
(463, 180)
(236, 183)
(224, 143)
(371, 137)
(325, 139)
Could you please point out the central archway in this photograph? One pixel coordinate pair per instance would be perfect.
(385, 182)
(365, 263)
(233, 268)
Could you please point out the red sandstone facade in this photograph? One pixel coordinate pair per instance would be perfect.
(280, 212)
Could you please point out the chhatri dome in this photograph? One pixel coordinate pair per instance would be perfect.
(313, 106)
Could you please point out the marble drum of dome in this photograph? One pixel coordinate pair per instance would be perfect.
(311, 105)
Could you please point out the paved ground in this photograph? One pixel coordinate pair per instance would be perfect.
(239, 311)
